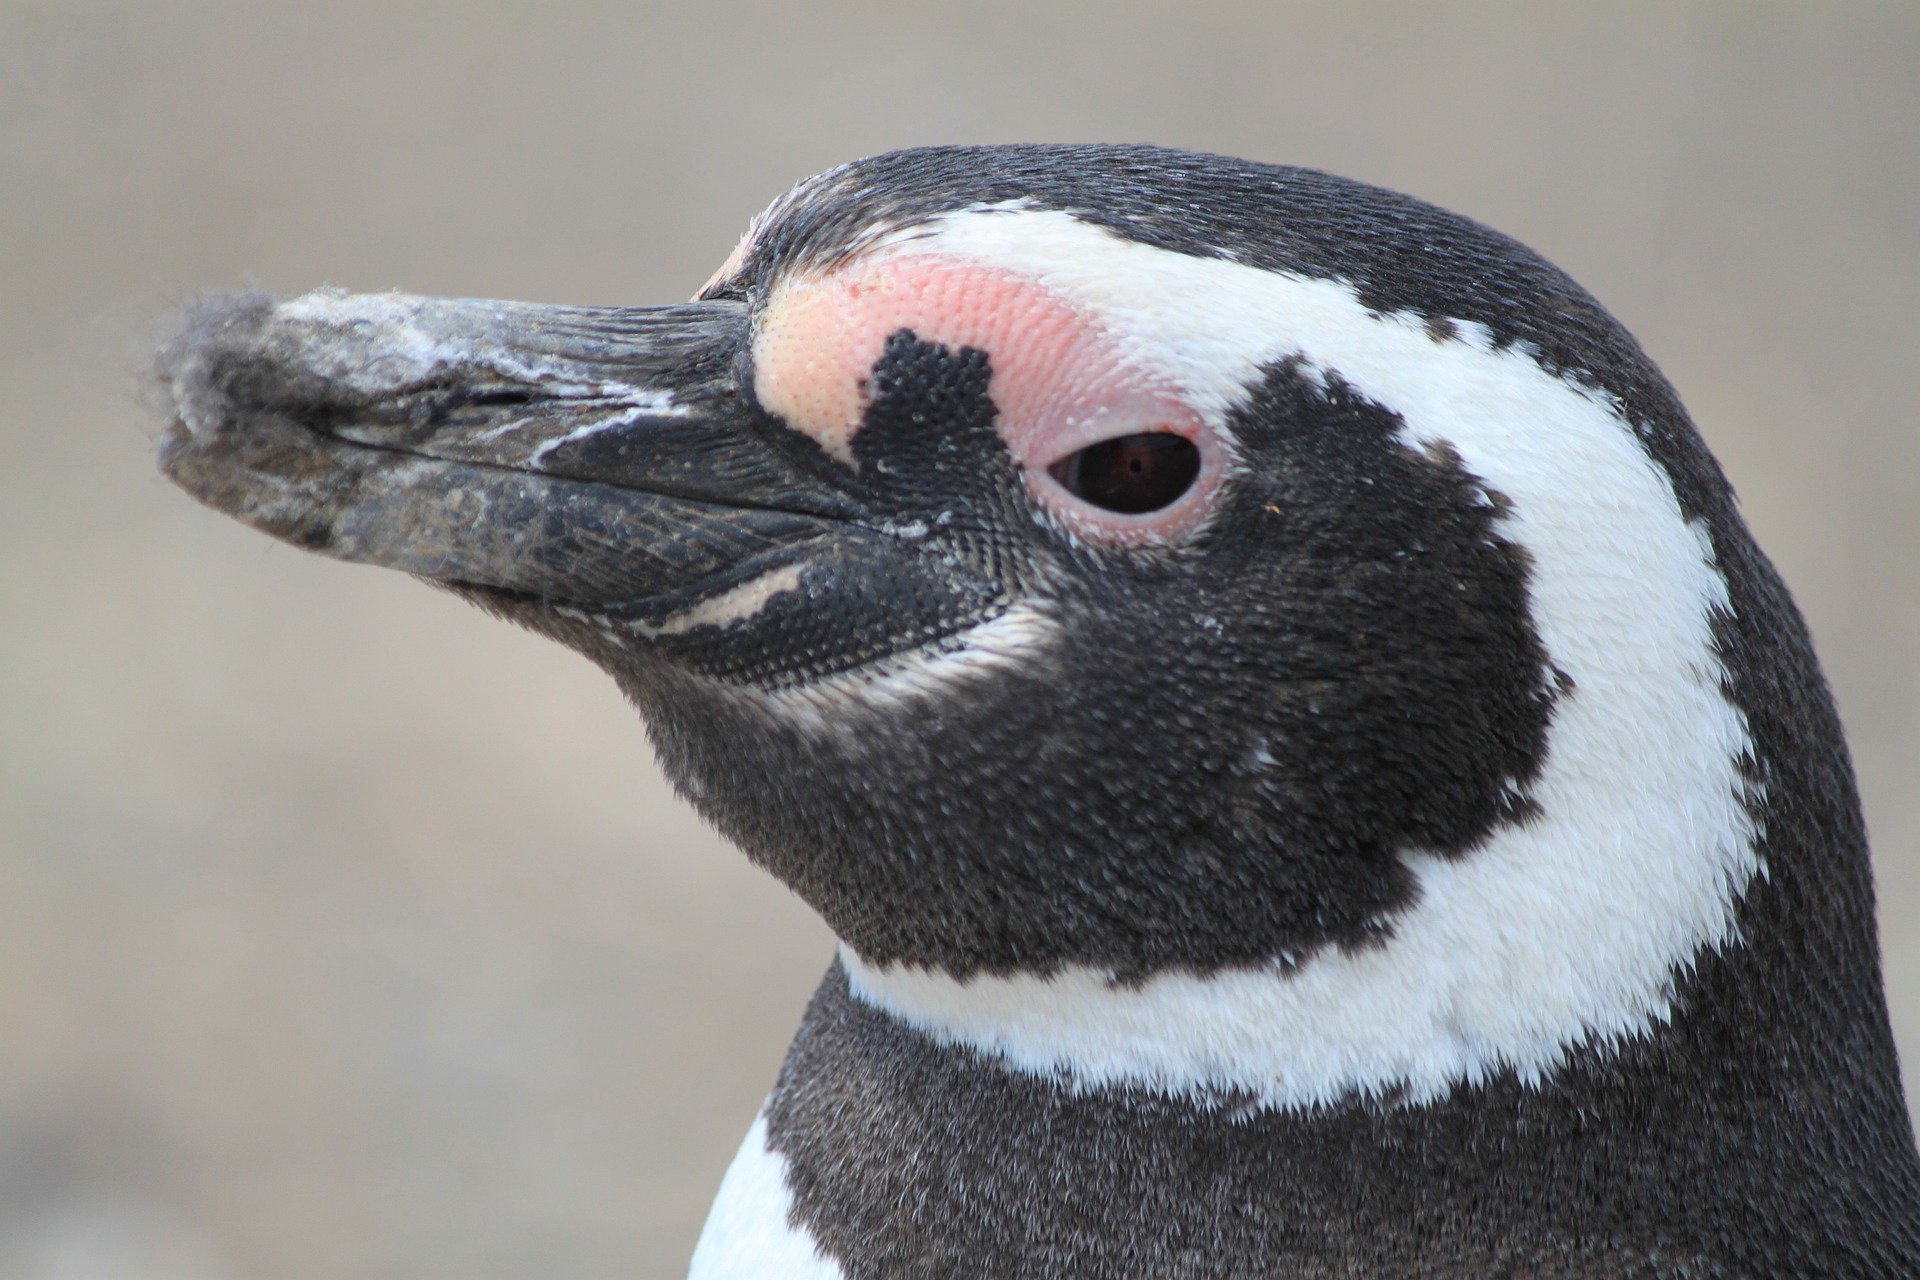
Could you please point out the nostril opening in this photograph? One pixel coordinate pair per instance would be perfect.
(501, 397)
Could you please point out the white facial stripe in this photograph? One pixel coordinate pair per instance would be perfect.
(838, 702)
(1561, 930)
(736, 604)
(748, 1235)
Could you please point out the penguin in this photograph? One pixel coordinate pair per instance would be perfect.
(1309, 771)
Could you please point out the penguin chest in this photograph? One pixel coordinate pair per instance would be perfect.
(749, 1235)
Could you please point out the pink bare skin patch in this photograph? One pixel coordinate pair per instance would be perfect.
(1059, 382)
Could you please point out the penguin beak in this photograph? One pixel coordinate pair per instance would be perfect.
(603, 459)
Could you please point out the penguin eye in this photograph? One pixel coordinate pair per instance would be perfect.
(1130, 474)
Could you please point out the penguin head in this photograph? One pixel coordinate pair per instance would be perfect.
(1176, 642)
(1100, 563)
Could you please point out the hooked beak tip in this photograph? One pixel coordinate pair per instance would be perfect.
(195, 363)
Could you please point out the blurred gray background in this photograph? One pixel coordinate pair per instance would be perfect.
(346, 933)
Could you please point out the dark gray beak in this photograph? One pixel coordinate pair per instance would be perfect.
(599, 458)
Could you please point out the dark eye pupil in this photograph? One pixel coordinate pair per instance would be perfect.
(1130, 474)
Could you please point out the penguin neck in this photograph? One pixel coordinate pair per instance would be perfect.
(1642, 1161)
(1557, 938)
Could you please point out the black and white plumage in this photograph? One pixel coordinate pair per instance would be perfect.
(1310, 772)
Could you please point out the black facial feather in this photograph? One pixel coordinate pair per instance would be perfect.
(1219, 757)
(924, 550)
(927, 441)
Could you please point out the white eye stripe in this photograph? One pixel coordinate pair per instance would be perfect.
(1566, 930)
